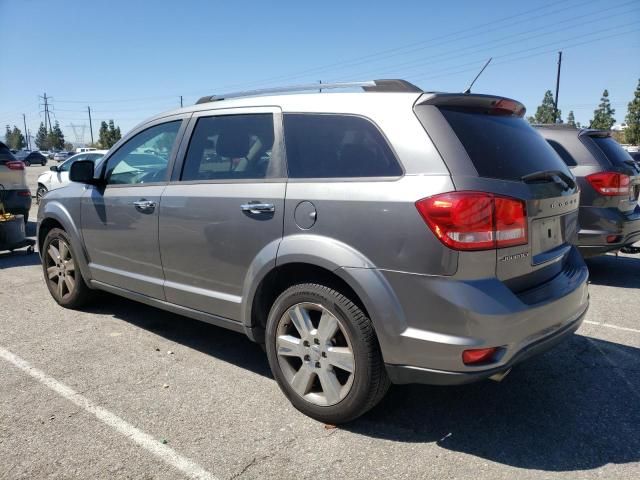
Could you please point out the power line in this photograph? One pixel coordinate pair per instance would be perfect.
(447, 55)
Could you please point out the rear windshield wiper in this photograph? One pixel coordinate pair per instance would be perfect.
(555, 176)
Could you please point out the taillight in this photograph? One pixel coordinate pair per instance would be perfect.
(475, 220)
(24, 193)
(609, 183)
(15, 165)
(478, 355)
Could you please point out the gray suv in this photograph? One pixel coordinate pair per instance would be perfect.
(609, 180)
(365, 238)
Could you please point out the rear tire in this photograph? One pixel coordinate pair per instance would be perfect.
(61, 271)
(324, 354)
(27, 163)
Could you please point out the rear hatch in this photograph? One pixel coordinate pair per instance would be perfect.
(489, 147)
(615, 159)
(12, 173)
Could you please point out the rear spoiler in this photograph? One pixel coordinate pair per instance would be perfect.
(489, 103)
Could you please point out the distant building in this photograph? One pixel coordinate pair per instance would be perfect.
(619, 127)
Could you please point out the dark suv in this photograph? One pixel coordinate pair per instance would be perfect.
(390, 235)
(609, 180)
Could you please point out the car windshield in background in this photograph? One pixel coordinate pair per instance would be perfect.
(503, 147)
(612, 150)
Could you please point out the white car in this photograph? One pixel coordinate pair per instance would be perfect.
(58, 176)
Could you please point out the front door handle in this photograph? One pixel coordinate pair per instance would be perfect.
(257, 208)
(145, 206)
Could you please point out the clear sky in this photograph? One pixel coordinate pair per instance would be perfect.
(131, 59)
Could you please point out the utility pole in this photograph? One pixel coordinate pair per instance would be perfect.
(90, 124)
(26, 132)
(180, 101)
(555, 106)
(46, 114)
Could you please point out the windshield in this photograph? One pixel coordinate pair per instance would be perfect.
(501, 146)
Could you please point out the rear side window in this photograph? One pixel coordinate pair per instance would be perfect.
(564, 155)
(503, 147)
(336, 146)
(612, 150)
(229, 147)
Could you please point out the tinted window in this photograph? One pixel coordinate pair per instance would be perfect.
(612, 150)
(230, 147)
(564, 155)
(132, 164)
(330, 146)
(502, 147)
(5, 154)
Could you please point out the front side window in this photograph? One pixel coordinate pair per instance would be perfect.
(336, 146)
(229, 147)
(145, 157)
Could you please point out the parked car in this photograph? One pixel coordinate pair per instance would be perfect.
(61, 156)
(401, 236)
(610, 183)
(58, 175)
(85, 149)
(34, 158)
(14, 192)
(20, 154)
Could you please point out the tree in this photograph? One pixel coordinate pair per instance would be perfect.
(56, 137)
(571, 120)
(546, 111)
(632, 133)
(14, 138)
(603, 115)
(108, 134)
(68, 146)
(42, 139)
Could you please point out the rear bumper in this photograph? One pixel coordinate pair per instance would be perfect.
(401, 374)
(14, 203)
(599, 223)
(445, 316)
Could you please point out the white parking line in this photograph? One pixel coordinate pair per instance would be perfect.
(146, 441)
(616, 327)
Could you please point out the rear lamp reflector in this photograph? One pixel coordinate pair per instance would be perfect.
(475, 220)
(609, 183)
(15, 165)
(24, 193)
(478, 355)
(613, 238)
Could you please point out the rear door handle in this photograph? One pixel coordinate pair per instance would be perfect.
(145, 206)
(257, 208)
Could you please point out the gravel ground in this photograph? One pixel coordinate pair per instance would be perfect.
(147, 390)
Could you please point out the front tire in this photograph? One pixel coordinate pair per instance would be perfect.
(61, 272)
(324, 354)
(40, 193)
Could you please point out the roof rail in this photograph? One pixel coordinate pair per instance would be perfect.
(367, 86)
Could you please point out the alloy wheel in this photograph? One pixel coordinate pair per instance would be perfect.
(39, 194)
(60, 267)
(314, 353)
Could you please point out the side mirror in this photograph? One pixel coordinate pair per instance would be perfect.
(53, 168)
(82, 171)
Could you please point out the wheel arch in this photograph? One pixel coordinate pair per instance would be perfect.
(56, 216)
(329, 262)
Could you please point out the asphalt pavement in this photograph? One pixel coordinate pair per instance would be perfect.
(122, 390)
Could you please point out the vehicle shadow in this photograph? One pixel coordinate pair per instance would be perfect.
(217, 342)
(573, 408)
(18, 258)
(569, 409)
(615, 271)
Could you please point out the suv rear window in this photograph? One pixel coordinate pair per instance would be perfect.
(612, 150)
(5, 154)
(503, 147)
(336, 146)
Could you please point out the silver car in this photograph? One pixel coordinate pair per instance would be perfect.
(365, 238)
